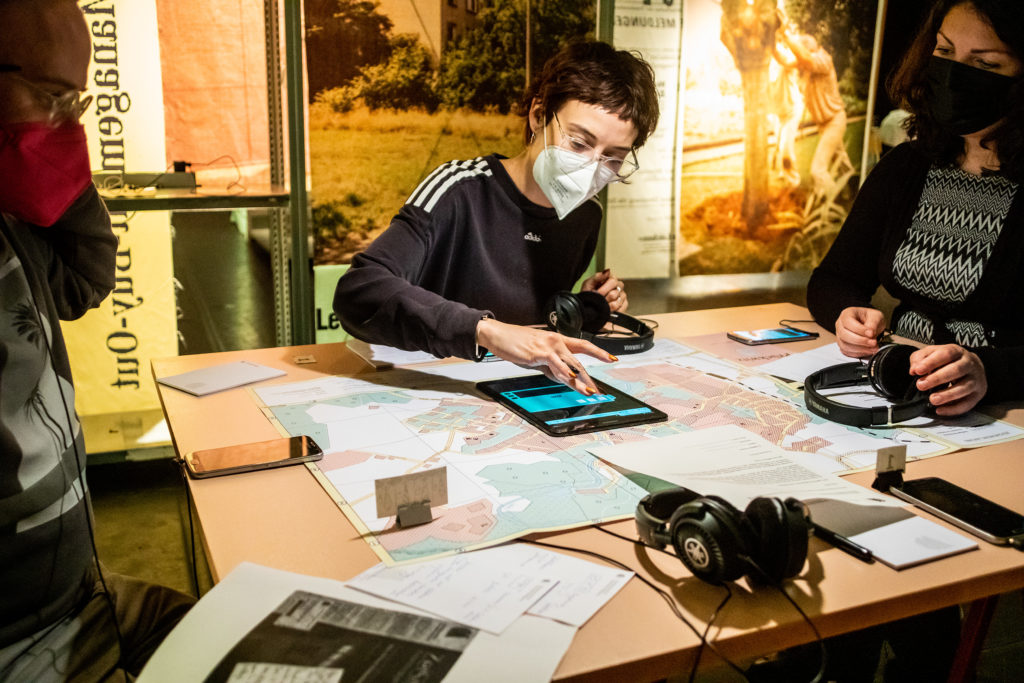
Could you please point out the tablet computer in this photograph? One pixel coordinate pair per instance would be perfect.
(560, 411)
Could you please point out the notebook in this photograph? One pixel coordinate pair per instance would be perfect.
(220, 377)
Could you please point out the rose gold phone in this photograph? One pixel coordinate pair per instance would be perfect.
(214, 462)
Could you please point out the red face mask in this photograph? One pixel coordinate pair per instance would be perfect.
(43, 170)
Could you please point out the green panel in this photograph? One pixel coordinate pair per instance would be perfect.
(325, 279)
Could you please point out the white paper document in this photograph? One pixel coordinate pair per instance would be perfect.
(796, 367)
(730, 462)
(250, 600)
(490, 588)
(497, 369)
(220, 377)
(382, 357)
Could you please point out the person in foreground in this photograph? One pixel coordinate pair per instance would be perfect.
(56, 262)
(939, 222)
(481, 246)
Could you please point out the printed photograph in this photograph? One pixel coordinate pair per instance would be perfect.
(398, 87)
(773, 117)
(312, 637)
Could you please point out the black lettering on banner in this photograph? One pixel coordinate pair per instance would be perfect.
(626, 20)
(122, 342)
(110, 102)
(119, 221)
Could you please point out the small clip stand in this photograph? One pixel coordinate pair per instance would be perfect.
(409, 497)
(889, 468)
(412, 514)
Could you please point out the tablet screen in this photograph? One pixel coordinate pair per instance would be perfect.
(558, 410)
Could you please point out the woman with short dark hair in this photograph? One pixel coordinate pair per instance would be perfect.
(482, 246)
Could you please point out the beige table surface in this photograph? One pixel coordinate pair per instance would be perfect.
(283, 519)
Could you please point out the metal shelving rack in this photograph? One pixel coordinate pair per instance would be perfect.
(286, 198)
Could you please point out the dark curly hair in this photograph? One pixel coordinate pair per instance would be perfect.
(596, 73)
(907, 86)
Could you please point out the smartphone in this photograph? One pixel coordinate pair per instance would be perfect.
(775, 335)
(289, 450)
(965, 509)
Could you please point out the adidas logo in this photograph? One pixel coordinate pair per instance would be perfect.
(531, 237)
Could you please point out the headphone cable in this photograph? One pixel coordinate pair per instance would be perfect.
(669, 600)
(80, 479)
(714, 615)
(764, 578)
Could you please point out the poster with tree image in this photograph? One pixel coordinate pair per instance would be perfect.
(398, 87)
(774, 114)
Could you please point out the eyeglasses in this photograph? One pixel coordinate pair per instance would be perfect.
(622, 168)
(69, 105)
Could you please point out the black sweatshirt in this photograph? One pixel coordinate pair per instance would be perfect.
(863, 254)
(467, 242)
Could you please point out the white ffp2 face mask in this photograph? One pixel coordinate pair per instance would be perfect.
(568, 179)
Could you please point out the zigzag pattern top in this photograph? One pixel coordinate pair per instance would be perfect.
(913, 325)
(952, 233)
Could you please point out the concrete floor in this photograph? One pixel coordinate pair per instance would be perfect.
(142, 524)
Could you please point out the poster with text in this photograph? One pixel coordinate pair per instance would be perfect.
(641, 214)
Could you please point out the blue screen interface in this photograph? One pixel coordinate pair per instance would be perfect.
(570, 404)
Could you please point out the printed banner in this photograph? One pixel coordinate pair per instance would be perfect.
(111, 347)
(642, 214)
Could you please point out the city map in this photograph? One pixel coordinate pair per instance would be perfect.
(507, 479)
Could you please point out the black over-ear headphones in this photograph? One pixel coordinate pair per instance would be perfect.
(583, 315)
(888, 372)
(717, 542)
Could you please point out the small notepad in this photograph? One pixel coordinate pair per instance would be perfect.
(220, 377)
(913, 541)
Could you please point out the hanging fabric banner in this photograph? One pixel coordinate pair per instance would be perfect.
(111, 347)
(642, 214)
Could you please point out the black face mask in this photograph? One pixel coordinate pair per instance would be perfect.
(965, 99)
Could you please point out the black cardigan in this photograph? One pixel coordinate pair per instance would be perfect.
(863, 253)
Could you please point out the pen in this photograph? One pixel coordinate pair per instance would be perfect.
(843, 543)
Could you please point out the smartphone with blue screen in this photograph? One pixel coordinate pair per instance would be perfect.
(774, 335)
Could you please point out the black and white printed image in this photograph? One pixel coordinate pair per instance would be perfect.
(311, 637)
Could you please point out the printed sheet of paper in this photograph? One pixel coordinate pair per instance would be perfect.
(529, 650)
(381, 356)
(796, 367)
(731, 462)
(478, 589)
(491, 588)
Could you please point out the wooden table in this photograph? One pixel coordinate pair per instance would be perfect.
(282, 518)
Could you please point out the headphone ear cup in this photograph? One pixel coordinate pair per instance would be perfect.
(707, 537)
(565, 314)
(595, 311)
(889, 370)
(780, 537)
